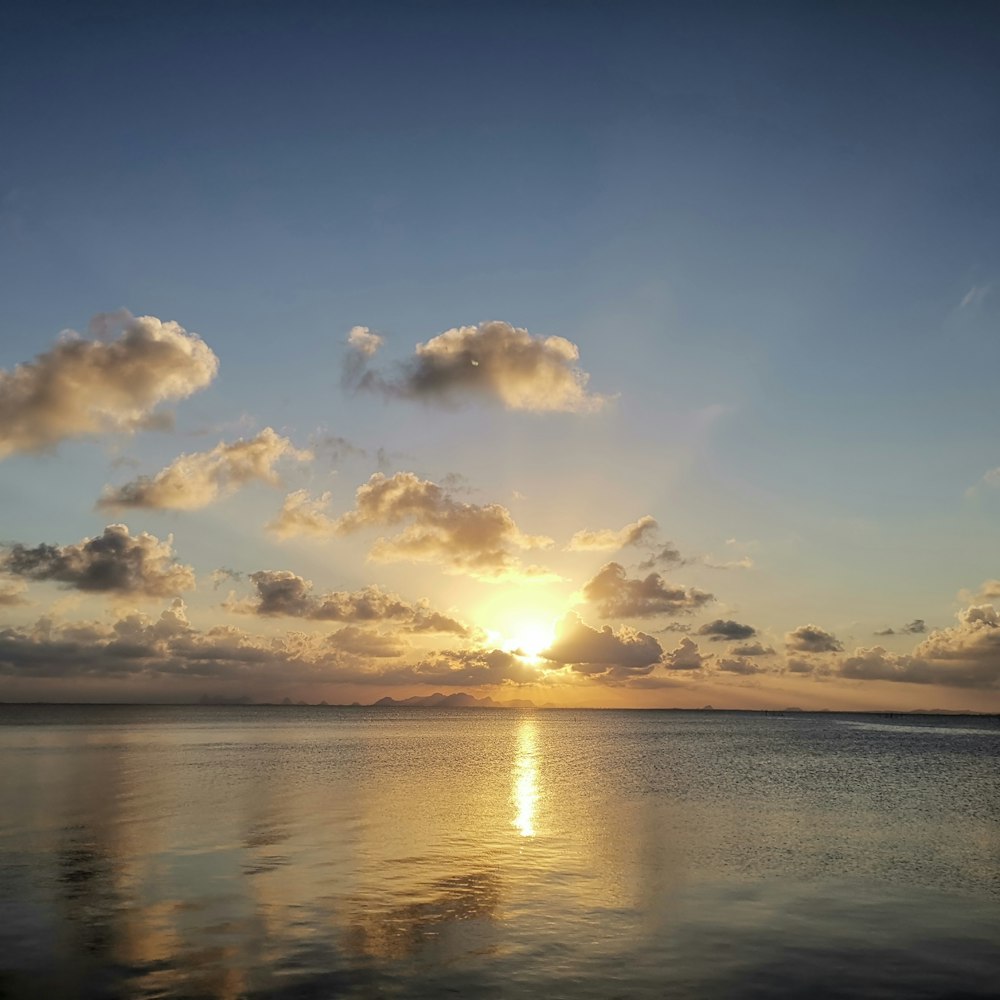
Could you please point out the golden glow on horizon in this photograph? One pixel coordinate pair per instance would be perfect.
(525, 775)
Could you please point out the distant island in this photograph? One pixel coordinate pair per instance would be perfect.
(459, 700)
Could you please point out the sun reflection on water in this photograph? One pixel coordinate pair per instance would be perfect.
(525, 775)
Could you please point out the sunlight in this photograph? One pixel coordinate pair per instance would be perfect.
(525, 791)
(526, 637)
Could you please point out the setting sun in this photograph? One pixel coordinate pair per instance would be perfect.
(526, 638)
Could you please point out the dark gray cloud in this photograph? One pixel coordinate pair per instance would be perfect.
(721, 630)
(83, 387)
(283, 593)
(113, 562)
(812, 639)
(665, 555)
(686, 656)
(619, 653)
(494, 361)
(618, 596)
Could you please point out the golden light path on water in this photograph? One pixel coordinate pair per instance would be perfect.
(525, 775)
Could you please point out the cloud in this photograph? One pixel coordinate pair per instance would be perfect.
(463, 668)
(617, 596)
(113, 562)
(462, 537)
(686, 656)
(607, 540)
(916, 627)
(975, 295)
(666, 555)
(619, 654)
(82, 387)
(494, 361)
(12, 593)
(283, 593)
(720, 630)
(363, 341)
(364, 642)
(196, 480)
(167, 648)
(302, 514)
(751, 649)
(989, 590)
(812, 639)
(739, 665)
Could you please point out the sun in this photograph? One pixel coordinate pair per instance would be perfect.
(527, 638)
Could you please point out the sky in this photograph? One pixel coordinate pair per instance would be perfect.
(593, 354)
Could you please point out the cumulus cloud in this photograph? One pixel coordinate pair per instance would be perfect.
(113, 562)
(988, 591)
(493, 361)
(812, 639)
(618, 653)
(364, 341)
(739, 665)
(81, 387)
(464, 668)
(198, 479)
(167, 649)
(618, 596)
(302, 514)
(751, 649)
(720, 630)
(967, 655)
(686, 656)
(607, 540)
(283, 593)
(462, 537)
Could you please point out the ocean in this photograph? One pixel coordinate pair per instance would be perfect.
(225, 852)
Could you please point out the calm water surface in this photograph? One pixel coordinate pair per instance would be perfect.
(293, 852)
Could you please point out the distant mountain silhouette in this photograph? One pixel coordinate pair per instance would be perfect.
(459, 700)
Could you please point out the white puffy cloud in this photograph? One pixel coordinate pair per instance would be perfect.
(618, 596)
(618, 653)
(113, 562)
(493, 360)
(283, 593)
(966, 655)
(812, 639)
(81, 387)
(198, 479)
(607, 540)
(364, 341)
(462, 537)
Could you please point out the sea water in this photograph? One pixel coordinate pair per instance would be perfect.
(322, 852)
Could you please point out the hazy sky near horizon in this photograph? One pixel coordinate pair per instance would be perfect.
(598, 354)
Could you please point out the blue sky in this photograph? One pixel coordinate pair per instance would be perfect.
(769, 229)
